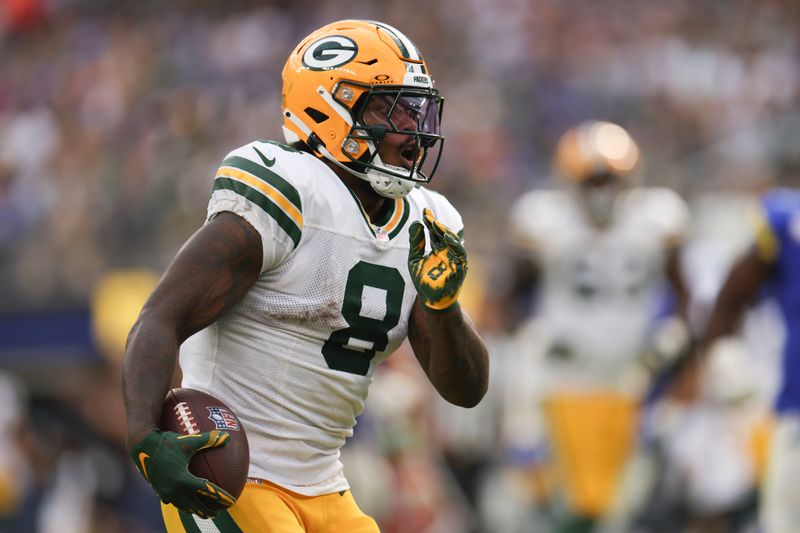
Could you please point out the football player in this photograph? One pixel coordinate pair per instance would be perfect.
(772, 262)
(597, 253)
(317, 259)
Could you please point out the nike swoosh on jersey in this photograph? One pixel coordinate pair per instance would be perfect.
(142, 457)
(266, 161)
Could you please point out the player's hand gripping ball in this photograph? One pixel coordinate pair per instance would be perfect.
(198, 459)
(439, 275)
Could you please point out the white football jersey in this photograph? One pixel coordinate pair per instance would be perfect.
(294, 358)
(598, 287)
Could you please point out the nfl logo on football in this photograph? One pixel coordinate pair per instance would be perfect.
(223, 418)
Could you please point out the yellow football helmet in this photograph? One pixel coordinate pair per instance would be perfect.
(595, 148)
(328, 81)
(600, 160)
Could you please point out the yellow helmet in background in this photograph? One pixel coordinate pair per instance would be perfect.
(595, 148)
(599, 159)
(327, 82)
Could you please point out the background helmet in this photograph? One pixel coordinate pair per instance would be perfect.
(599, 159)
(328, 81)
(595, 148)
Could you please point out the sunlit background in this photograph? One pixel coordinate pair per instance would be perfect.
(114, 116)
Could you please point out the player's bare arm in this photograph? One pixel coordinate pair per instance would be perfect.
(674, 274)
(211, 273)
(444, 340)
(672, 340)
(524, 277)
(739, 290)
(451, 353)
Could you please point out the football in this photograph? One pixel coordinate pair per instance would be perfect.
(190, 411)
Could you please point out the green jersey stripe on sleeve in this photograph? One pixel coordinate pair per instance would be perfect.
(257, 197)
(265, 174)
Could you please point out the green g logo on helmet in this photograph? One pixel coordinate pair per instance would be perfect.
(330, 52)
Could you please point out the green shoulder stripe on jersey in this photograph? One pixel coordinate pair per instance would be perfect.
(284, 221)
(264, 174)
(225, 523)
(188, 522)
(461, 234)
(403, 220)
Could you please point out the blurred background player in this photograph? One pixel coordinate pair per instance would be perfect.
(769, 268)
(318, 258)
(599, 285)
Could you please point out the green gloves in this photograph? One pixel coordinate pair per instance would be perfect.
(438, 276)
(163, 459)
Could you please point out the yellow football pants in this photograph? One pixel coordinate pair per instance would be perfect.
(592, 437)
(264, 507)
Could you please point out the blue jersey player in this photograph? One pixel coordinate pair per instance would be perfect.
(774, 262)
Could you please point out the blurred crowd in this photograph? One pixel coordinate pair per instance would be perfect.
(114, 116)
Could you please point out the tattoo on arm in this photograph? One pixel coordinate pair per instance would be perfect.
(451, 353)
(210, 274)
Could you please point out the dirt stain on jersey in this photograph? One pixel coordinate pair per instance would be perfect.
(328, 311)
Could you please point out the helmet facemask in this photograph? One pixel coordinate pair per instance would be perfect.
(383, 114)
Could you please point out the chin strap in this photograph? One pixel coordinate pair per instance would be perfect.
(386, 185)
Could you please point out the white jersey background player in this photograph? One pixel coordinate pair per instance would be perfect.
(601, 253)
(313, 266)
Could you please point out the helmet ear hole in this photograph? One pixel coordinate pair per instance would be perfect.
(316, 115)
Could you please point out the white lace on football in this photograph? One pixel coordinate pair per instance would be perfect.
(186, 418)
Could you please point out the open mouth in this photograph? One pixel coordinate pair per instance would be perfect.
(409, 155)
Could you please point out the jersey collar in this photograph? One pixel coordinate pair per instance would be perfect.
(395, 220)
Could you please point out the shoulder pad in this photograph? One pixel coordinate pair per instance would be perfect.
(441, 207)
(780, 204)
(665, 210)
(537, 214)
(264, 174)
